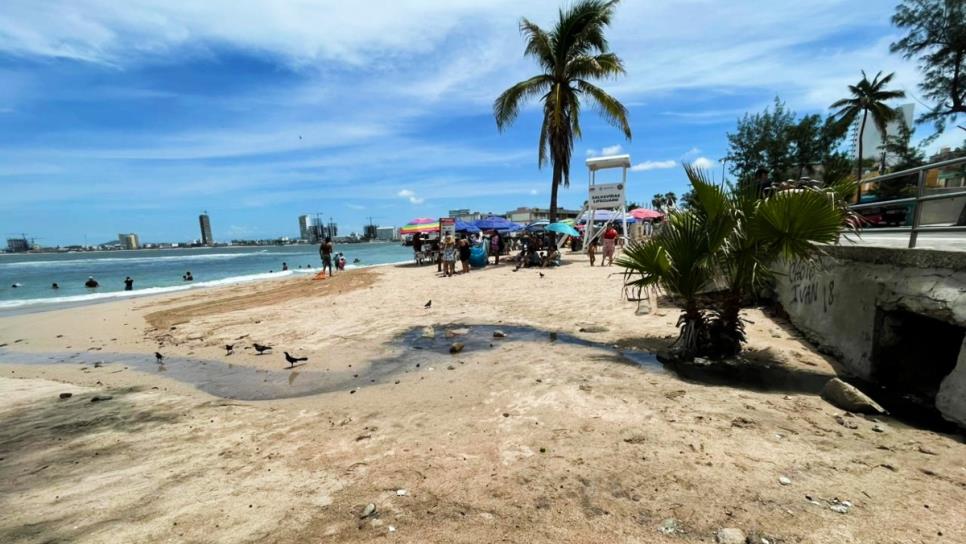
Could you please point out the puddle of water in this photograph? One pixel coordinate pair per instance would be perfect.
(223, 379)
(415, 347)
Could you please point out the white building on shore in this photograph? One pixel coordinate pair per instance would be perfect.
(387, 234)
(129, 241)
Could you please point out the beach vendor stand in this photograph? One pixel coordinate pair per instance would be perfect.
(422, 225)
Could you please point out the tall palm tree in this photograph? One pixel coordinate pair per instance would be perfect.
(574, 52)
(868, 98)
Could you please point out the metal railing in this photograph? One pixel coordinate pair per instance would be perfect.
(918, 200)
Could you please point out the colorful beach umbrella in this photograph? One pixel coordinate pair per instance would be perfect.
(645, 214)
(422, 225)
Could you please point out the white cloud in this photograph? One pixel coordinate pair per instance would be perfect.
(653, 165)
(534, 192)
(615, 149)
(410, 196)
(703, 163)
(611, 150)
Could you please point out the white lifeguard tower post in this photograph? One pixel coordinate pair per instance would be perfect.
(606, 196)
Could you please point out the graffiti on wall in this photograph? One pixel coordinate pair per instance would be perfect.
(809, 286)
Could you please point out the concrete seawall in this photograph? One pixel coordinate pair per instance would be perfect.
(895, 316)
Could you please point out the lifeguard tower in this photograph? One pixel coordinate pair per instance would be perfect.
(607, 197)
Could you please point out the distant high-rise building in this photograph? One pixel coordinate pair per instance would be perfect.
(369, 232)
(387, 234)
(129, 241)
(872, 137)
(307, 230)
(332, 229)
(205, 229)
(17, 245)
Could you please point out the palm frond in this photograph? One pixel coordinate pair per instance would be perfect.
(597, 66)
(607, 106)
(792, 222)
(507, 106)
(538, 44)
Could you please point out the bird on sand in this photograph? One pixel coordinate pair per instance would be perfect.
(428, 304)
(541, 274)
(292, 360)
(158, 356)
(229, 348)
(261, 349)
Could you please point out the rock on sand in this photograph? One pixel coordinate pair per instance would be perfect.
(848, 397)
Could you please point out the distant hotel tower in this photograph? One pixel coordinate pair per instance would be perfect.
(205, 229)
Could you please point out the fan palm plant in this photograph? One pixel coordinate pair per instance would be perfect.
(726, 244)
(867, 98)
(570, 56)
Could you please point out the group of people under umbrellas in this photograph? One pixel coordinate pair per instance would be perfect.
(536, 248)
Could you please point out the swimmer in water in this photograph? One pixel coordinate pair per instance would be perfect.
(91, 283)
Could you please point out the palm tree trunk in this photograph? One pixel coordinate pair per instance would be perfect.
(557, 174)
(858, 188)
(692, 336)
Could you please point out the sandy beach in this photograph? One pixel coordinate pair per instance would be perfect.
(562, 429)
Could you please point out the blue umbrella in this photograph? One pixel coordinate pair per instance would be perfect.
(563, 228)
(495, 222)
(463, 226)
(537, 226)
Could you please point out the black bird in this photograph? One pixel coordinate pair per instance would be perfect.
(428, 304)
(541, 274)
(230, 348)
(292, 360)
(261, 349)
(159, 357)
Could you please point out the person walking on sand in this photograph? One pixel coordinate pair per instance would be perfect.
(449, 256)
(464, 251)
(610, 241)
(325, 252)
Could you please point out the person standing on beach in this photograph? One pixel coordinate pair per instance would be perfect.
(128, 284)
(449, 256)
(417, 243)
(496, 246)
(325, 252)
(610, 241)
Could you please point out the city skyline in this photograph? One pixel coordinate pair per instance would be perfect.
(125, 137)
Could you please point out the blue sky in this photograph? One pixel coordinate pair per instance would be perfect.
(135, 116)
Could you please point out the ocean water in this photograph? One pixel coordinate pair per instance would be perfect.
(160, 271)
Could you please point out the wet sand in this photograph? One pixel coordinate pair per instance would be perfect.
(531, 439)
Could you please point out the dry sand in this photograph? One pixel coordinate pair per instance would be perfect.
(527, 441)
